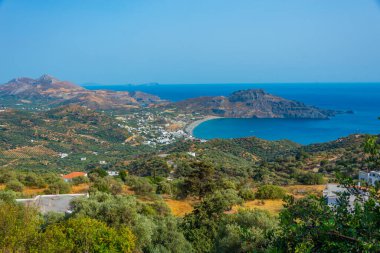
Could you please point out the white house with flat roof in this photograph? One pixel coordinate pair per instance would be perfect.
(370, 177)
(332, 193)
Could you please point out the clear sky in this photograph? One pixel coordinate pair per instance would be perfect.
(191, 41)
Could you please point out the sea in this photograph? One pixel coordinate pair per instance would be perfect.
(361, 98)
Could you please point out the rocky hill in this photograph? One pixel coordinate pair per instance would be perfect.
(52, 92)
(254, 103)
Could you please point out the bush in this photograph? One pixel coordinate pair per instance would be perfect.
(79, 180)
(8, 196)
(141, 186)
(32, 180)
(164, 187)
(58, 187)
(14, 185)
(310, 178)
(108, 185)
(84, 234)
(7, 176)
(270, 192)
(247, 194)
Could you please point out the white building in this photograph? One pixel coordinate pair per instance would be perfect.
(63, 155)
(371, 178)
(332, 193)
(112, 173)
(191, 154)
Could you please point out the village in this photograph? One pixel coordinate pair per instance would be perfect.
(156, 127)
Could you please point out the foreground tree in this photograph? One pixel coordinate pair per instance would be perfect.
(19, 227)
(202, 225)
(247, 231)
(201, 181)
(86, 235)
(310, 225)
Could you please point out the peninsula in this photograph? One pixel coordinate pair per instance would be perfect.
(253, 103)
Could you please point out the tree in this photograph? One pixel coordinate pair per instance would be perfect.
(310, 225)
(18, 228)
(247, 231)
(201, 180)
(372, 149)
(117, 211)
(168, 238)
(84, 234)
(202, 225)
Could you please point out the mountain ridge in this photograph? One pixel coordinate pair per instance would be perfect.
(253, 103)
(54, 92)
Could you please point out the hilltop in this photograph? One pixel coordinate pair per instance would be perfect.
(50, 92)
(253, 103)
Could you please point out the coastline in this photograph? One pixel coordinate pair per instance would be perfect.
(190, 127)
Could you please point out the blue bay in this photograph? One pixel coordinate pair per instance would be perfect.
(362, 98)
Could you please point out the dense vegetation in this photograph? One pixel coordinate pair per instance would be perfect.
(128, 213)
(108, 221)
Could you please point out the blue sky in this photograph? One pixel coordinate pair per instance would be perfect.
(197, 41)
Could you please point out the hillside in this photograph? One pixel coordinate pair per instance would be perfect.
(254, 103)
(36, 140)
(49, 92)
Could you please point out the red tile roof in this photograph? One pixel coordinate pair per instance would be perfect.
(74, 174)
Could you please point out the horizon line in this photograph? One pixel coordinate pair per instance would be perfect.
(230, 83)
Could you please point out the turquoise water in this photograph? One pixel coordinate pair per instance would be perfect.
(362, 98)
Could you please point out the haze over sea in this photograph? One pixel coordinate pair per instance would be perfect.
(362, 98)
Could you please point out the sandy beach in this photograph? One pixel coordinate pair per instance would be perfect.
(190, 128)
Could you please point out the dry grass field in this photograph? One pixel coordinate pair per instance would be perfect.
(180, 208)
(272, 206)
(80, 188)
(299, 191)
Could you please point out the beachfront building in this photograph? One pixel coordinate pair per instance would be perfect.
(370, 178)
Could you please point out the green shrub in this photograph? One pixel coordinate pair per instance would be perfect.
(108, 185)
(14, 185)
(310, 178)
(247, 194)
(58, 187)
(80, 180)
(8, 196)
(270, 192)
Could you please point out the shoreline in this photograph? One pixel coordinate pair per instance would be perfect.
(189, 129)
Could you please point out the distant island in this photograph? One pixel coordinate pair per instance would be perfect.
(49, 92)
